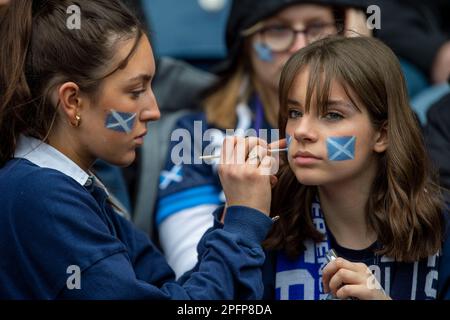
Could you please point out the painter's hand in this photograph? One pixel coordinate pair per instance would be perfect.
(345, 279)
(245, 173)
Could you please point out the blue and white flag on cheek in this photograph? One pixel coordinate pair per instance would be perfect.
(120, 121)
(264, 52)
(341, 148)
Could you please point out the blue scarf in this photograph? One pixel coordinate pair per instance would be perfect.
(301, 279)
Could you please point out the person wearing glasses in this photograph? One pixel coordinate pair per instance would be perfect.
(260, 36)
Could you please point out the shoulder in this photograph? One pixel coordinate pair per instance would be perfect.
(38, 194)
(23, 177)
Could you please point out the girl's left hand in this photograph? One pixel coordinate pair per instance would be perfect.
(345, 279)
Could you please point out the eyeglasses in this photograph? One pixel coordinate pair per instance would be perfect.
(280, 38)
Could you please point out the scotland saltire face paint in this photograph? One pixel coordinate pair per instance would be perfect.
(120, 121)
(264, 52)
(341, 148)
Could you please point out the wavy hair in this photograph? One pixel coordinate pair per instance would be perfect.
(405, 206)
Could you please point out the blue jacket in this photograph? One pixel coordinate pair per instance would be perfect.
(60, 239)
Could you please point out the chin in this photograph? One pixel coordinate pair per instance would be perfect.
(311, 178)
(124, 161)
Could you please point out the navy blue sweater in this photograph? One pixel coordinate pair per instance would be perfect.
(49, 222)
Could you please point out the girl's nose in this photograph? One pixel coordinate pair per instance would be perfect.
(150, 113)
(305, 130)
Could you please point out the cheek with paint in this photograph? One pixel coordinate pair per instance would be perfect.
(288, 141)
(264, 53)
(120, 121)
(341, 148)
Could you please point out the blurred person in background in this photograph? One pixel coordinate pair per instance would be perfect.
(419, 34)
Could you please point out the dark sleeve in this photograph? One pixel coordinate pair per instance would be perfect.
(412, 31)
(268, 275)
(62, 226)
(437, 136)
(230, 264)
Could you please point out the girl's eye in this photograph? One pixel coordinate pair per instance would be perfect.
(293, 114)
(333, 116)
(136, 94)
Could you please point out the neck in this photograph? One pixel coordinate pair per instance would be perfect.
(344, 206)
(66, 144)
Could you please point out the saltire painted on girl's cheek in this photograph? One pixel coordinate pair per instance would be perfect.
(120, 121)
(264, 52)
(341, 148)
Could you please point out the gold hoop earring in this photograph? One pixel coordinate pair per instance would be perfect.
(78, 121)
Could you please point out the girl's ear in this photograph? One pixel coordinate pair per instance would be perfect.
(381, 142)
(70, 101)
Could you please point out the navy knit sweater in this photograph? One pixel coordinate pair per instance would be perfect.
(52, 227)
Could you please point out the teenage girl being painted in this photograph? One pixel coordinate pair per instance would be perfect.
(357, 180)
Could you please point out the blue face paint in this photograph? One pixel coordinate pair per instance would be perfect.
(341, 148)
(263, 51)
(120, 121)
(288, 141)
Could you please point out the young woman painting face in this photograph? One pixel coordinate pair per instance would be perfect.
(111, 125)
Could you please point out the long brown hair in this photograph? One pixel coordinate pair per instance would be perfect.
(38, 51)
(405, 206)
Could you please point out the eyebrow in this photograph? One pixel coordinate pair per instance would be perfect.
(342, 103)
(141, 77)
(287, 20)
(331, 103)
(294, 103)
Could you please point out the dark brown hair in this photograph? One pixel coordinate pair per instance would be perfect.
(38, 51)
(405, 206)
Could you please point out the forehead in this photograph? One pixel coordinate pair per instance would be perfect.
(299, 88)
(141, 61)
(303, 13)
(337, 92)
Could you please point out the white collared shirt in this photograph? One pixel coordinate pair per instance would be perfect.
(45, 156)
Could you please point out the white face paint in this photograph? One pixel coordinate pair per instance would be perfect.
(120, 121)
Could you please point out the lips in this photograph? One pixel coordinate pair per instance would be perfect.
(305, 158)
(306, 154)
(142, 135)
(139, 140)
